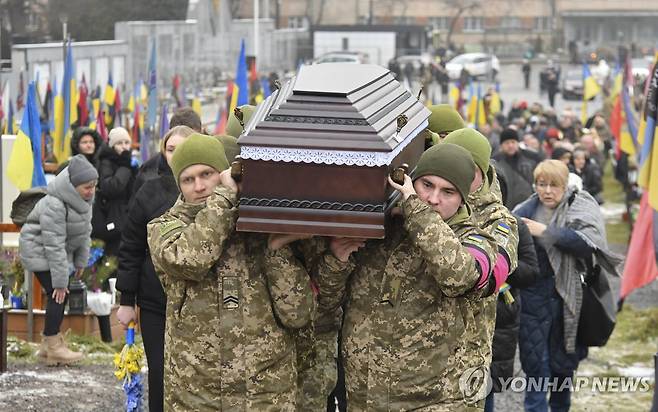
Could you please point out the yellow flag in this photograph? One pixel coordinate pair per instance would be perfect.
(196, 105)
(58, 135)
(494, 104)
(20, 166)
(454, 96)
(472, 110)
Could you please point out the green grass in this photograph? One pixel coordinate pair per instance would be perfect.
(619, 232)
(613, 192)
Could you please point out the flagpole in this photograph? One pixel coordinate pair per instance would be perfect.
(256, 12)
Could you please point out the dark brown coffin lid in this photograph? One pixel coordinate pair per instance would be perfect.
(336, 106)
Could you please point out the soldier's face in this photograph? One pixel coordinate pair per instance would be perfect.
(197, 182)
(440, 194)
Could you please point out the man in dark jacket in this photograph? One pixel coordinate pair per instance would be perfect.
(517, 164)
(508, 313)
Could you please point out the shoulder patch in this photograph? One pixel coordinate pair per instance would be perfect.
(503, 228)
(169, 227)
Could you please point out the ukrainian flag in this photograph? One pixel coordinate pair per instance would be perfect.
(590, 89)
(648, 163)
(241, 85)
(110, 98)
(24, 168)
(66, 110)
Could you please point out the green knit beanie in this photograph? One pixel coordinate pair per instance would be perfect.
(231, 146)
(444, 118)
(475, 143)
(233, 127)
(198, 149)
(449, 161)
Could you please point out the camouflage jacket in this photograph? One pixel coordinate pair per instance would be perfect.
(407, 310)
(490, 215)
(231, 308)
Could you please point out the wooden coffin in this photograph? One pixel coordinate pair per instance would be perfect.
(317, 152)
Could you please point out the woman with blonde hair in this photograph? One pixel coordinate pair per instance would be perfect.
(137, 280)
(569, 232)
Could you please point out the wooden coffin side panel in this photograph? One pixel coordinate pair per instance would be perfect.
(315, 182)
(313, 222)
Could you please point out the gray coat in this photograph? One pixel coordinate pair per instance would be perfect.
(57, 232)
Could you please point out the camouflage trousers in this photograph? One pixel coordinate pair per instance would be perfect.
(316, 372)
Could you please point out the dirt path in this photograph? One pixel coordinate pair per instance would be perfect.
(36, 387)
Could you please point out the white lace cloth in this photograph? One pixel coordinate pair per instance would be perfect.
(329, 157)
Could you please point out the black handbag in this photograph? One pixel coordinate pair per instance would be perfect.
(598, 313)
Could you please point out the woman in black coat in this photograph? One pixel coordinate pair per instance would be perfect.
(116, 177)
(136, 279)
(506, 333)
(589, 171)
(87, 142)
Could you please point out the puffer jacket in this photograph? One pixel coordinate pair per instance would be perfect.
(409, 329)
(56, 233)
(232, 308)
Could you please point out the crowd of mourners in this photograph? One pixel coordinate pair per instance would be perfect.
(484, 253)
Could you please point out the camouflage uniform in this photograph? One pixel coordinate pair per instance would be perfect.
(490, 215)
(407, 310)
(317, 344)
(230, 306)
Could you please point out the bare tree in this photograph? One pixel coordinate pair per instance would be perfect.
(460, 7)
(315, 11)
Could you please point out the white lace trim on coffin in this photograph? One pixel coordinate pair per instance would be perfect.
(329, 157)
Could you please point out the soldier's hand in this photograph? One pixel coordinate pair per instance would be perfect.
(226, 180)
(278, 240)
(342, 247)
(407, 189)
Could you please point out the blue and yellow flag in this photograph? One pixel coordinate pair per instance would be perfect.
(109, 98)
(66, 110)
(24, 168)
(590, 89)
(648, 162)
(241, 78)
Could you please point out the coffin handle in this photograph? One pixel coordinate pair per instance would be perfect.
(397, 174)
(236, 169)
